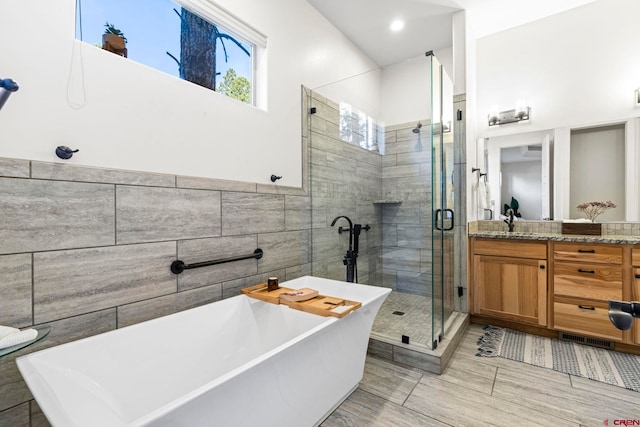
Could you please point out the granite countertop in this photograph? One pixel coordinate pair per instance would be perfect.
(619, 239)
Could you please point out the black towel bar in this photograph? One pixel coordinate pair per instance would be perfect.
(178, 266)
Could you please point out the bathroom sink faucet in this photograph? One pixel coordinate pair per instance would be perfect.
(510, 220)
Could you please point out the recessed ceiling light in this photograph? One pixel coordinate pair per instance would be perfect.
(397, 25)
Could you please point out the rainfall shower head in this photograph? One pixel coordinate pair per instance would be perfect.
(417, 128)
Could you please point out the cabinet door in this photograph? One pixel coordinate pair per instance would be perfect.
(511, 288)
(635, 296)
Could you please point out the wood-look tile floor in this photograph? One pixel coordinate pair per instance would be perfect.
(480, 391)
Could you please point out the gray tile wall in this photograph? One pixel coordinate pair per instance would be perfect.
(87, 250)
(345, 180)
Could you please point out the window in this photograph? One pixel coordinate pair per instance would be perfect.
(359, 129)
(190, 39)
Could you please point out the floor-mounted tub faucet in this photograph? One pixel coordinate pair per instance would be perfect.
(350, 259)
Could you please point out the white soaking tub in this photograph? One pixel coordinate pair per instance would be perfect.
(235, 362)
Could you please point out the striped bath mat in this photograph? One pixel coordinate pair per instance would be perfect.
(611, 367)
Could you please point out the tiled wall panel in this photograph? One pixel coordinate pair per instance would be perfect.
(201, 250)
(156, 214)
(68, 283)
(15, 290)
(40, 215)
(246, 213)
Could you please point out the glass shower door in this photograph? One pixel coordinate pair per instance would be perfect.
(442, 199)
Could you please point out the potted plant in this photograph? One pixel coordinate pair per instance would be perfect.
(114, 40)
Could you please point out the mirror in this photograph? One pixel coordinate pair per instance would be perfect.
(518, 169)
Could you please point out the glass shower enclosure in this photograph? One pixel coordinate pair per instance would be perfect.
(383, 195)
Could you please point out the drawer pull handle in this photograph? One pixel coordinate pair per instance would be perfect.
(587, 251)
(580, 270)
(637, 276)
(586, 307)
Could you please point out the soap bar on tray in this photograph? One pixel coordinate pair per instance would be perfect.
(302, 294)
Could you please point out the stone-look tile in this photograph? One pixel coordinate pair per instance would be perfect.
(14, 168)
(326, 112)
(380, 349)
(69, 172)
(137, 312)
(297, 212)
(201, 250)
(414, 236)
(244, 213)
(155, 214)
(15, 417)
(37, 417)
(15, 288)
(579, 406)
(283, 250)
(458, 405)
(13, 390)
(405, 259)
(388, 380)
(48, 215)
(297, 271)
(426, 362)
(214, 184)
(365, 409)
(68, 283)
(415, 283)
(281, 189)
(234, 287)
(326, 143)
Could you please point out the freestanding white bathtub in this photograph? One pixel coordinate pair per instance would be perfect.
(235, 362)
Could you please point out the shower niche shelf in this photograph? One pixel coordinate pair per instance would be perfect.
(387, 202)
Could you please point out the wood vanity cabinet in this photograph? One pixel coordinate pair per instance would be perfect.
(510, 280)
(635, 289)
(584, 277)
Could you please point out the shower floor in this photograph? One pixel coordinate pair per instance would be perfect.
(414, 323)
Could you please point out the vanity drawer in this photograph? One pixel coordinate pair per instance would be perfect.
(586, 318)
(590, 281)
(588, 252)
(511, 248)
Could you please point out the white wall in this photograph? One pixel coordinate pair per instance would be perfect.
(132, 117)
(576, 68)
(406, 88)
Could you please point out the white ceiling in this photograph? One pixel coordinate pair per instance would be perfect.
(427, 22)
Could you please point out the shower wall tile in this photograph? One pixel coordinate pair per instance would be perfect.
(401, 171)
(244, 213)
(416, 157)
(283, 250)
(69, 172)
(326, 112)
(200, 250)
(326, 143)
(414, 283)
(69, 283)
(47, 215)
(14, 168)
(15, 288)
(414, 236)
(407, 213)
(401, 259)
(155, 214)
(214, 184)
(297, 212)
(137, 312)
(15, 417)
(13, 390)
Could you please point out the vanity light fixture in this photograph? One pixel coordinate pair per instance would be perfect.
(520, 113)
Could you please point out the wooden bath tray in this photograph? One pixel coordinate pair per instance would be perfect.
(321, 305)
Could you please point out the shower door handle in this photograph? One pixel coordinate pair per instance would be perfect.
(439, 218)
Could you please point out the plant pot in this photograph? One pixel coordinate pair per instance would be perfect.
(584, 228)
(115, 44)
